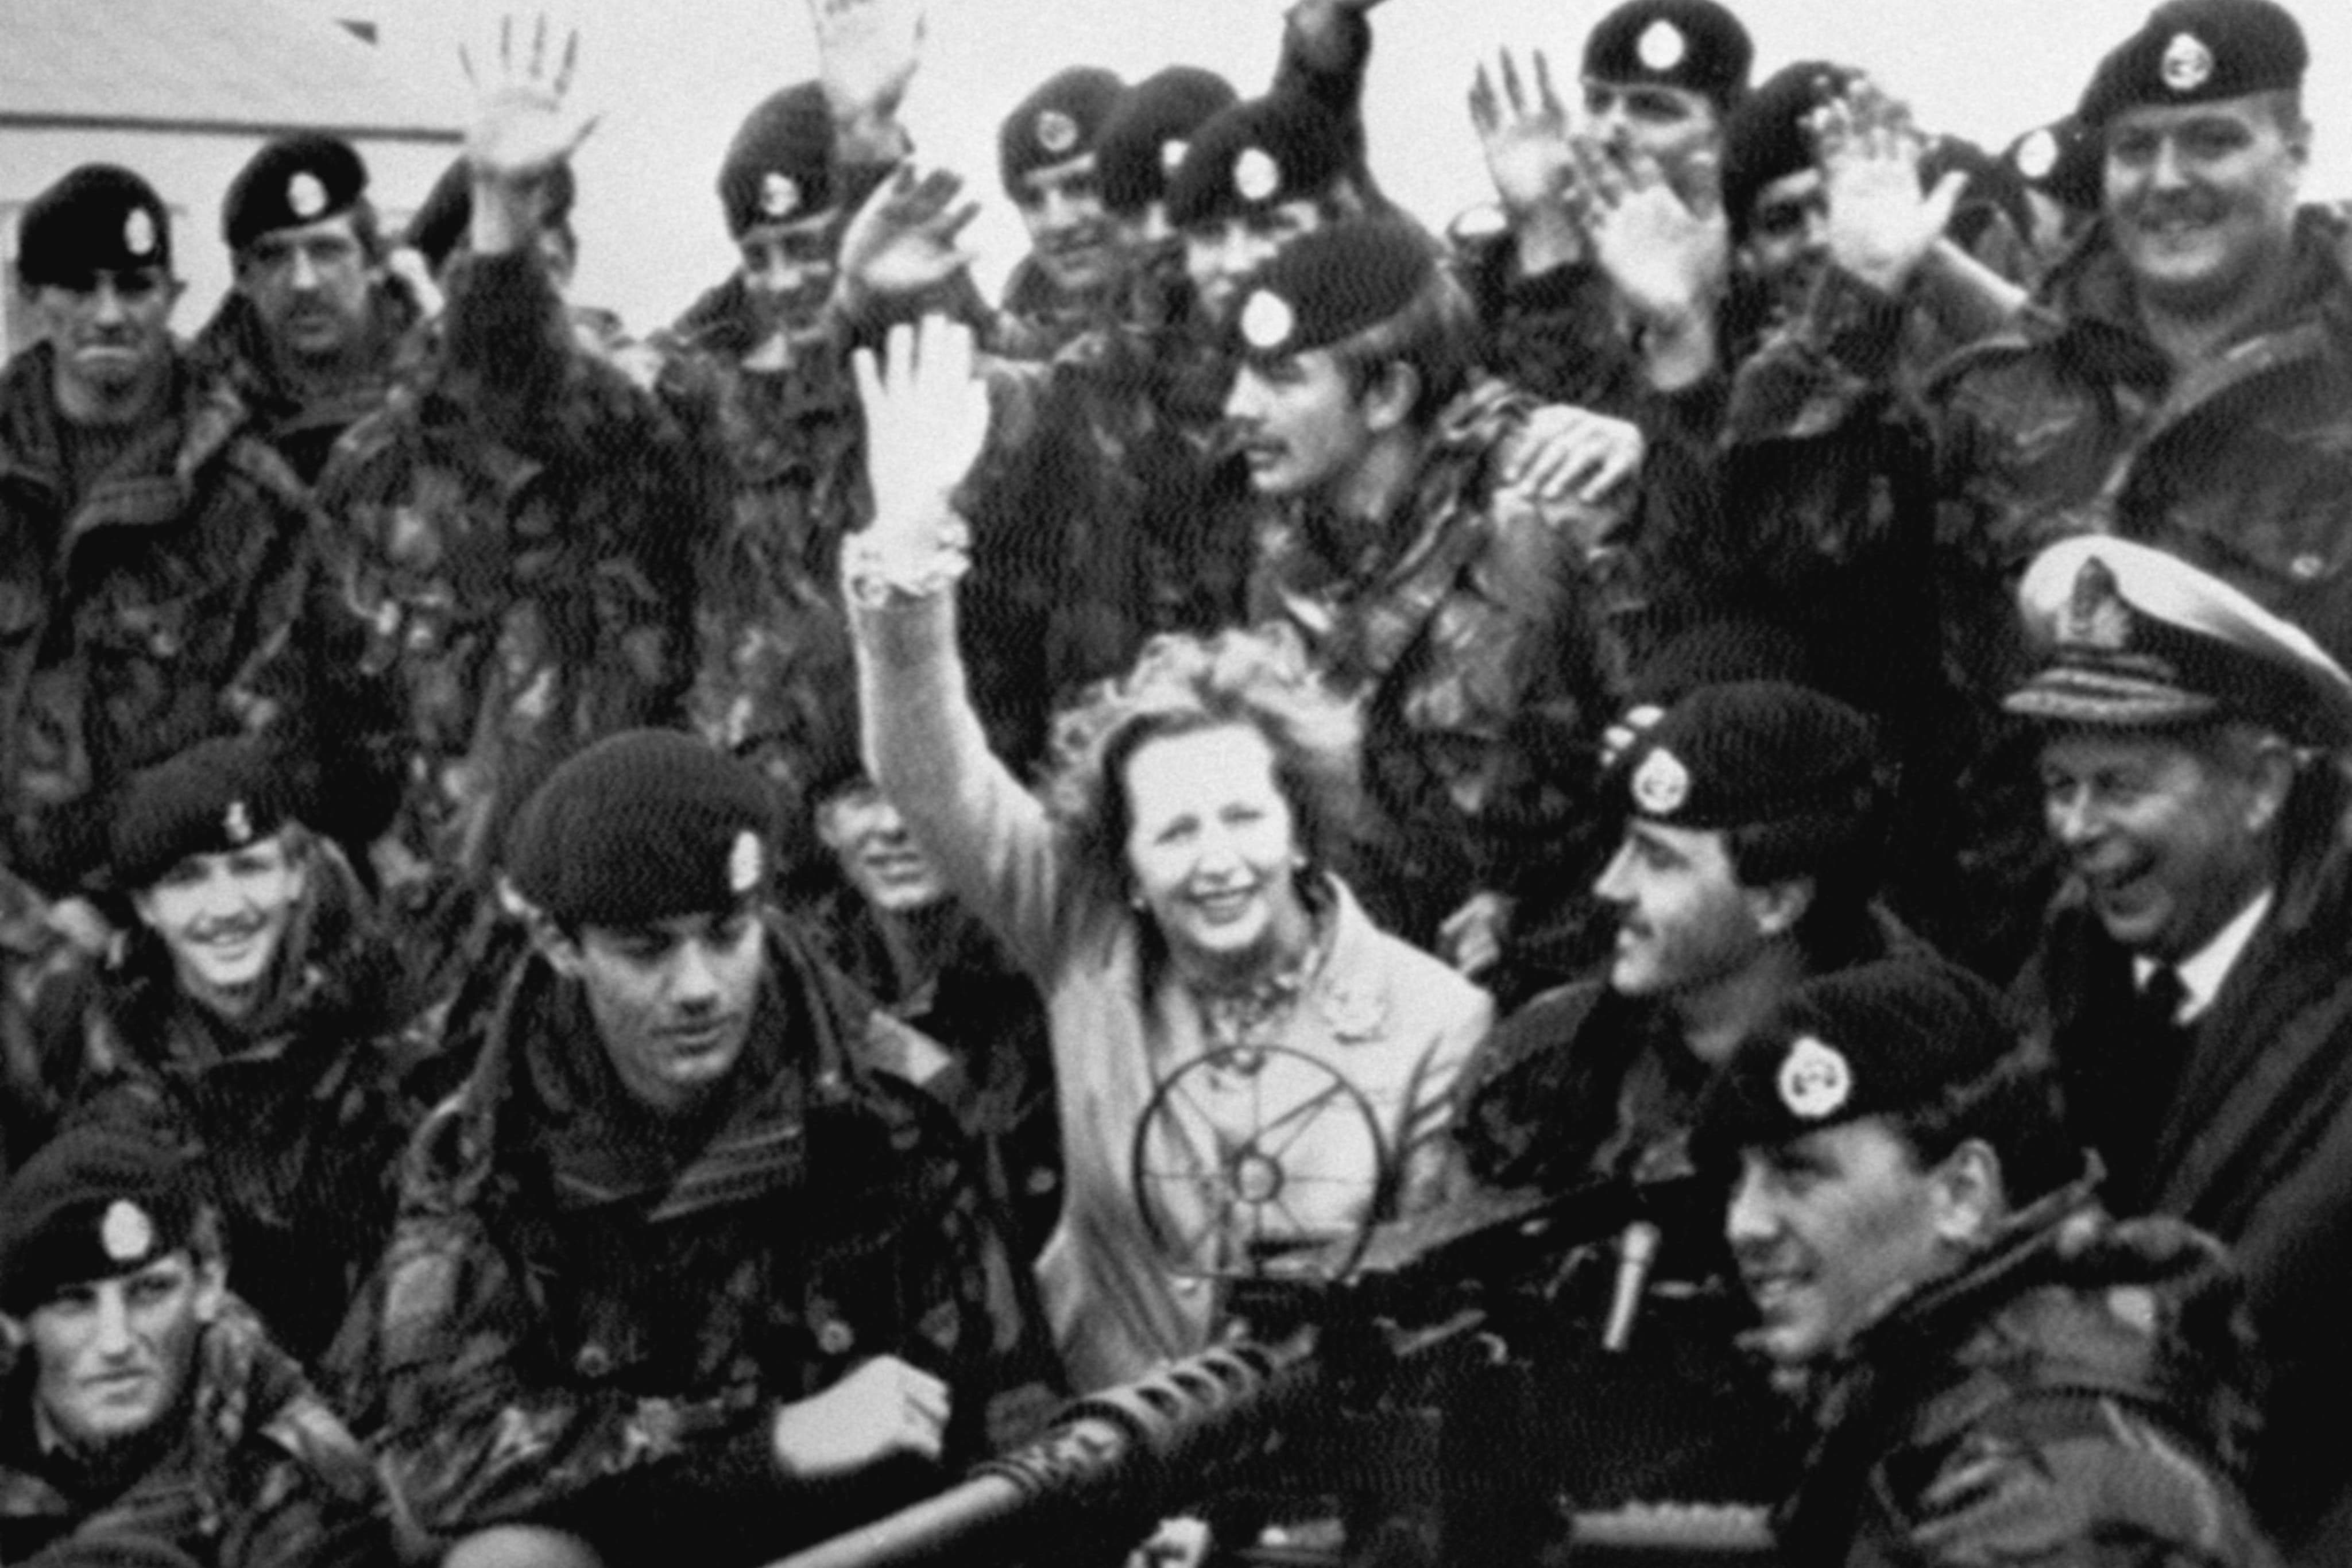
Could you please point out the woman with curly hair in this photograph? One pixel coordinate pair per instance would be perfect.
(1248, 1069)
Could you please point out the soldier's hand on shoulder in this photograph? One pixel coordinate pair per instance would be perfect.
(1564, 450)
(884, 1409)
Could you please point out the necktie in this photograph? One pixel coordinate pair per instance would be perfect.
(2150, 1066)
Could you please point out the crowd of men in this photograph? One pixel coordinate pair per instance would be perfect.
(1851, 635)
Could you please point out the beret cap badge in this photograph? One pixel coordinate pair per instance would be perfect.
(1815, 1080)
(744, 863)
(2037, 154)
(1267, 320)
(1056, 132)
(138, 233)
(237, 823)
(1256, 175)
(1661, 45)
(1172, 154)
(1661, 784)
(780, 194)
(306, 196)
(2188, 64)
(125, 1231)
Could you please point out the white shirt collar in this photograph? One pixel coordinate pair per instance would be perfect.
(2202, 972)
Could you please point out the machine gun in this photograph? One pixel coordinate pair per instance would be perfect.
(1405, 1315)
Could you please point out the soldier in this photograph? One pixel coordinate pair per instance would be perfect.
(517, 535)
(251, 1017)
(1256, 177)
(1998, 1372)
(145, 1402)
(1747, 863)
(2105, 408)
(2190, 977)
(1143, 142)
(1045, 157)
(310, 334)
(1450, 606)
(157, 551)
(673, 1272)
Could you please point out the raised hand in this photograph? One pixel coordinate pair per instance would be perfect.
(1667, 256)
(1881, 227)
(867, 52)
(926, 418)
(522, 129)
(1525, 139)
(903, 240)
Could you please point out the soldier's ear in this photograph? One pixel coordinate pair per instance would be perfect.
(13, 1338)
(1971, 1195)
(1777, 906)
(1388, 402)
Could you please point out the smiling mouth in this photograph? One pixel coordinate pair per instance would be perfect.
(1225, 903)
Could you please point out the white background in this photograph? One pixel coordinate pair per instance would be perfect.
(674, 80)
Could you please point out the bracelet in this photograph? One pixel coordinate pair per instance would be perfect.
(877, 572)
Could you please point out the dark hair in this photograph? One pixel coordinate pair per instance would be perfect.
(2016, 1110)
(1839, 851)
(1436, 334)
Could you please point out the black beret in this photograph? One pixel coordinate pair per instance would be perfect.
(1734, 648)
(1254, 155)
(1750, 753)
(437, 228)
(2196, 51)
(2135, 638)
(294, 180)
(1766, 136)
(95, 1202)
(1879, 1038)
(217, 796)
(778, 168)
(640, 826)
(100, 217)
(1693, 44)
(2061, 161)
(1150, 130)
(1330, 285)
(1055, 123)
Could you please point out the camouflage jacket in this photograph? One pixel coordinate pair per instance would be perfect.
(1107, 509)
(2075, 1396)
(515, 535)
(1468, 630)
(588, 1318)
(2069, 422)
(138, 618)
(303, 423)
(295, 1113)
(252, 1471)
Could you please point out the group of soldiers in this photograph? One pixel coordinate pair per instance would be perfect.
(1849, 633)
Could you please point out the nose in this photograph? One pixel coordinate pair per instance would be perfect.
(111, 1333)
(2070, 817)
(1611, 885)
(2165, 170)
(1243, 403)
(305, 273)
(1747, 1218)
(107, 303)
(695, 982)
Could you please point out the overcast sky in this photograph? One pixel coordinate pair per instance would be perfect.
(673, 82)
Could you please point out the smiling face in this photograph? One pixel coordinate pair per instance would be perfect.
(877, 853)
(789, 270)
(115, 1353)
(1830, 1227)
(2168, 840)
(311, 285)
(1070, 234)
(1212, 847)
(672, 1000)
(1684, 919)
(2201, 197)
(224, 918)
(1787, 235)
